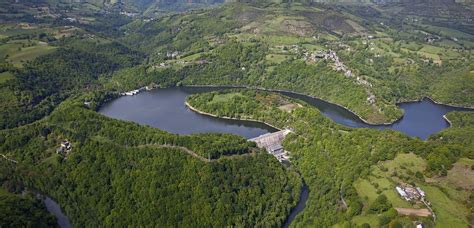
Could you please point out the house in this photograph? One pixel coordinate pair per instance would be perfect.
(401, 192)
(421, 192)
(66, 144)
(65, 147)
(275, 149)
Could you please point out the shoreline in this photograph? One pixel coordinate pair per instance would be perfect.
(447, 120)
(301, 94)
(341, 106)
(226, 117)
(436, 102)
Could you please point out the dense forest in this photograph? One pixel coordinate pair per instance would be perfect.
(148, 173)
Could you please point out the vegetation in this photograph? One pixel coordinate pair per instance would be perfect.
(56, 55)
(148, 173)
(320, 150)
(23, 211)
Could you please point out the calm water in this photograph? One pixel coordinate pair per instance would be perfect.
(165, 109)
(304, 194)
(420, 119)
(423, 118)
(55, 209)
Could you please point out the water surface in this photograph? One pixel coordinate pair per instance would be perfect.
(55, 209)
(165, 109)
(304, 194)
(421, 118)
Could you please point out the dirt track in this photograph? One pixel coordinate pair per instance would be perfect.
(410, 211)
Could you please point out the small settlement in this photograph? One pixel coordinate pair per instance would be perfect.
(272, 143)
(410, 193)
(339, 66)
(417, 196)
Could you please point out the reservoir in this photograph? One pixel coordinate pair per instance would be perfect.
(421, 118)
(165, 109)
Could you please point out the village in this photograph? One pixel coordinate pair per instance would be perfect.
(339, 66)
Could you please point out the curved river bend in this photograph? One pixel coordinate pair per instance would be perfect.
(165, 109)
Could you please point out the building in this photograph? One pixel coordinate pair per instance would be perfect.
(272, 143)
(65, 147)
(410, 193)
(402, 193)
(421, 192)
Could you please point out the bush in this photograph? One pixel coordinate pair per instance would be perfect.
(380, 205)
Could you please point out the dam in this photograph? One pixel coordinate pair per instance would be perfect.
(272, 143)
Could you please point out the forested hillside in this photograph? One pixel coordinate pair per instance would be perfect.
(146, 176)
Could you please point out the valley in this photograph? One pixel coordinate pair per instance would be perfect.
(377, 94)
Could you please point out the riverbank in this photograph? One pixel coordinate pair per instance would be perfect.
(341, 106)
(226, 117)
(436, 102)
(421, 119)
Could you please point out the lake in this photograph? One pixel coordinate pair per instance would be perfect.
(421, 118)
(165, 109)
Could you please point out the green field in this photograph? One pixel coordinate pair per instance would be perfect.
(276, 58)
(372, 220)
(445, 198)
(5, 76)
(8, 49)
(29, 53)
(224, 97)
(449, 213)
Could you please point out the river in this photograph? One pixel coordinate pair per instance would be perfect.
(55, 209)
(165, 109)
